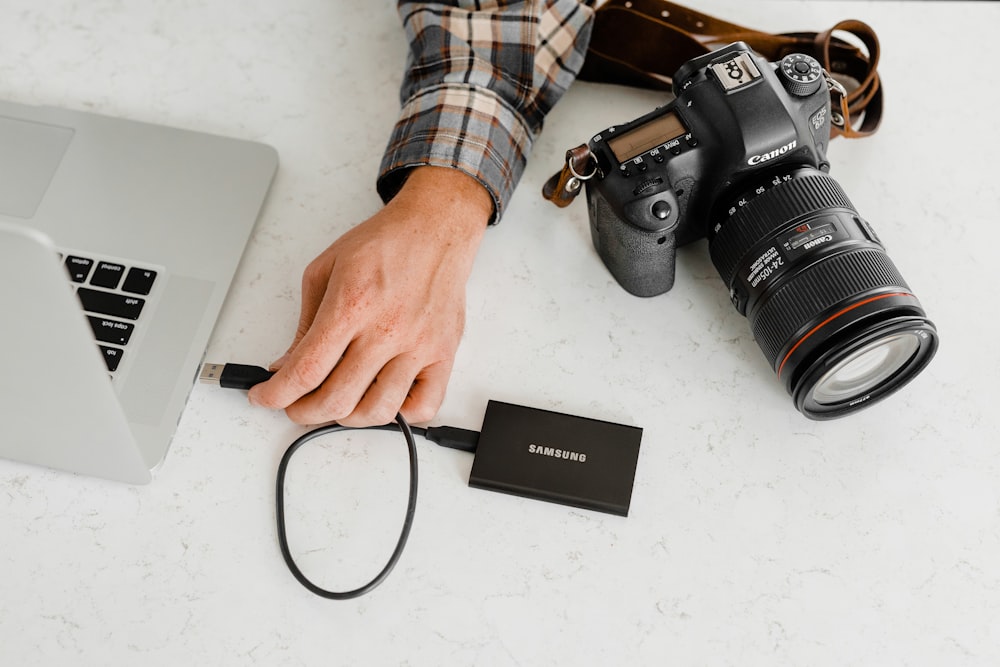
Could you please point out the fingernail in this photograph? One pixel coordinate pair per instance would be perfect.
(279, 362)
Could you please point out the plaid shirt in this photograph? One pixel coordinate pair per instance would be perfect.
(480, 77)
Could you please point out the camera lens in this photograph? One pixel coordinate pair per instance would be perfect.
(826, 304)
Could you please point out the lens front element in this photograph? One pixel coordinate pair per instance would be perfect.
(862, 371)
(866, 364)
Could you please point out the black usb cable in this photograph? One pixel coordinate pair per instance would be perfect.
(241, 376)
(234, 376)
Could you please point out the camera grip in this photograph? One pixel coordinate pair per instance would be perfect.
(641, 261)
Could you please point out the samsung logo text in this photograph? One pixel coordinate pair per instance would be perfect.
(557, 453)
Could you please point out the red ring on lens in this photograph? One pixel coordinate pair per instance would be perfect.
(833, 317)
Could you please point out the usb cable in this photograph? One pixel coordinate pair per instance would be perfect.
(241, 376)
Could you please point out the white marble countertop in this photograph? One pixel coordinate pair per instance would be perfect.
(756, 536)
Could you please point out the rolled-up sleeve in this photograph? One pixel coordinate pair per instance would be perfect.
(480, 78)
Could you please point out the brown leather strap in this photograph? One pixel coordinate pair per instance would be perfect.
(563, 187)
(643, 42)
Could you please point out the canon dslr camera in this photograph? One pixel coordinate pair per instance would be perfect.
(739, 158)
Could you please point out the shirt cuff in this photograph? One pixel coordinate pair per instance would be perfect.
(463, 127)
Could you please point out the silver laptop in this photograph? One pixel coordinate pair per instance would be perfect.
(118, 243)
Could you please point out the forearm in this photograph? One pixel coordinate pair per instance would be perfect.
(478, 84)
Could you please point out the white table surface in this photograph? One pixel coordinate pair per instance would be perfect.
(756, 536)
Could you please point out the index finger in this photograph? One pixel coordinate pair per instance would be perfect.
(307, 366)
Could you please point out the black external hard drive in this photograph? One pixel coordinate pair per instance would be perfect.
(556, 457)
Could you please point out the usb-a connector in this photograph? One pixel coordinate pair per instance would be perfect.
(211, 373)
(234, 376)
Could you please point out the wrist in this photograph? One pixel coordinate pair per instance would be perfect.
(444, 206)
(445, 191)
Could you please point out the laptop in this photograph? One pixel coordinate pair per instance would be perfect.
(118, 243)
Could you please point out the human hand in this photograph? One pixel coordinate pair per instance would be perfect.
(383, 309)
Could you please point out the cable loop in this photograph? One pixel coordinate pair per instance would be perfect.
(411, 507)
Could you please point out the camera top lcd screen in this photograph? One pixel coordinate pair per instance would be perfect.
(641, 139)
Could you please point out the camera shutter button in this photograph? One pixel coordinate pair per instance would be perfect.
(661, 210)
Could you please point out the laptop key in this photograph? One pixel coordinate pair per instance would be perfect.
(112, 357)
(107, 274)
(106, 303)
(139, 281)
(78, 267)
(111, 331)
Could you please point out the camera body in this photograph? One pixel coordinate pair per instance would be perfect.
(671, 176)
(739, 158)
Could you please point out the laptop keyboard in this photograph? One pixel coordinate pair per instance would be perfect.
(113, 294)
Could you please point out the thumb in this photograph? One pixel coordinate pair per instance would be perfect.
(280, 361)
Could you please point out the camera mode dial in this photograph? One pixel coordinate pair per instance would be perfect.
(802, 75)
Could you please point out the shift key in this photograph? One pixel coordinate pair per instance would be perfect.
(106, 303)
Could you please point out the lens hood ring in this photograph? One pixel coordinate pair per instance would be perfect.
(919, 331)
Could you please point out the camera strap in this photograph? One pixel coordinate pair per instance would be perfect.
(641, 43)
